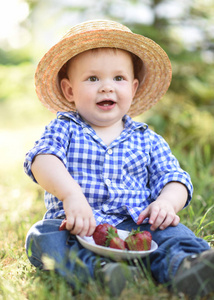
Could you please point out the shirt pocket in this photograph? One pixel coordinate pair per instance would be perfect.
(135, 169)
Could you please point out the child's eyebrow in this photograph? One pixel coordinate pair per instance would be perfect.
(101, 71)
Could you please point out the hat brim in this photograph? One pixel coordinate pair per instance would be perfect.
(157, 67)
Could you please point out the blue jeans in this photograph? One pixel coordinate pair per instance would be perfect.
(77, 264)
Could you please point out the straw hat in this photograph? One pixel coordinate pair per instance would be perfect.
(154, 80)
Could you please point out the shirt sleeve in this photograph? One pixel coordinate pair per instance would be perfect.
(54, 140)
(165, 168)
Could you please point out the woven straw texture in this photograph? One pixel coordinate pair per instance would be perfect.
(98, 34)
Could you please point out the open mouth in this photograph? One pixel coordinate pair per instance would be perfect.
(106, 103)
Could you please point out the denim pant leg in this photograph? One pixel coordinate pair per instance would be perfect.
(70, 259)
(174, 244)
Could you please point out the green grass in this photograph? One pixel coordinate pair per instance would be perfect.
(21, 205)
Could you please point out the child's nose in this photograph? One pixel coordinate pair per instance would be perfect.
(106, 87)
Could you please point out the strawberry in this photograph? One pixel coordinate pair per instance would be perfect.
(117, 243)
(63, 225)
(101, 232)
(114, 241)
(139, 240)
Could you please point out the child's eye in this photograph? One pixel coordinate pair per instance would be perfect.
(93, 78)
(118, 78)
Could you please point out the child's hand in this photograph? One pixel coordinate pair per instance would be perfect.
(52, 175)
(161, 214)
(80, 218)
(163, 211)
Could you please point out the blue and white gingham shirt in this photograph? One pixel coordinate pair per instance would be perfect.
(119, 180)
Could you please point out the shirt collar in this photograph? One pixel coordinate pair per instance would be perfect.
(72, 115)
(129, 123)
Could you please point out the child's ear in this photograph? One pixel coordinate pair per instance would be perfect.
(67, 89)
(135, 86)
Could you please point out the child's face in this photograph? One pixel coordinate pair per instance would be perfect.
(101, 84)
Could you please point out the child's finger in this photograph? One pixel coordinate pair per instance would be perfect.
(176, 220)
(70, 223)
(85, 228)
(171, 220)
(157, 218)
(92, 226)
(143, 215)
(63, 225)
(168, 221)
(78, 226)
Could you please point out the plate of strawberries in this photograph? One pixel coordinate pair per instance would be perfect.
(118, 244)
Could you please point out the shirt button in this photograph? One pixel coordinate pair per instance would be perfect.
(105, 207)
(108, 181)
(110, 151)
(85, 130)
